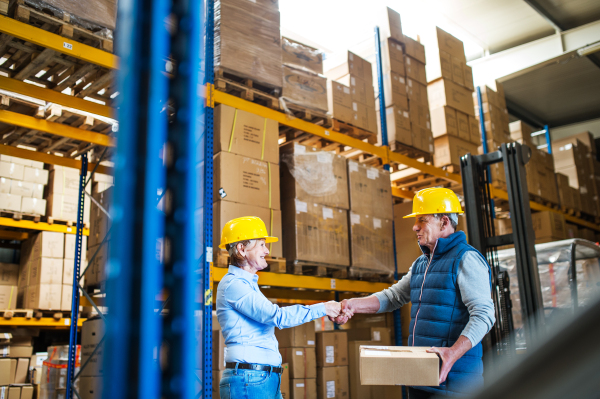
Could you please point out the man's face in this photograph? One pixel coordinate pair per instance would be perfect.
(428, 230)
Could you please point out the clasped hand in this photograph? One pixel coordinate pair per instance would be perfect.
(339, 312)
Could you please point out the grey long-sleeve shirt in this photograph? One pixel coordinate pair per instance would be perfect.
(474, 284)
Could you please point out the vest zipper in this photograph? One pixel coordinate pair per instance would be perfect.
(421, 294)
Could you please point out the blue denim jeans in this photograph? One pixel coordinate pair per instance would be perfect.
(250, 384)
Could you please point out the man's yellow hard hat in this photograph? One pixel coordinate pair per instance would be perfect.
(435, 200)
(245, 228)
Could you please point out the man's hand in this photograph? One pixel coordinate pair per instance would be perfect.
(333, 309)
(450, 355)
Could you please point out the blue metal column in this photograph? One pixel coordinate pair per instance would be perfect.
(134, 273)
(548, 141)
(75, 297)
(484, 140)
(385, 142)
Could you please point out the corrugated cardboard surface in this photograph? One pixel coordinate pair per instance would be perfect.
(9, 274)
(91, 387)
(361, 91)
(302, 336)
(448, 150)
(332, 348)
(548, 223)
(44, 296)
(450, 44)
(379, 335)
(445, 92)
(394, 90)
(414, 49)
(406, 239)
(302, 361)
(219, 350)
(92, 333)
(285, 381)
(311, 175)
(371, 243)
(305, 388)
(305, 89)
(246, 134)
(300, 55)
(8, 296)
(404, 365)
(398, 126)
(415, 70)
(370, 190)
(332, 382)
(417, 92)
(354, 65)
(339, 101)
(443, 121)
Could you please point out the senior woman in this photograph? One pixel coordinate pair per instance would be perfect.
(248, 319)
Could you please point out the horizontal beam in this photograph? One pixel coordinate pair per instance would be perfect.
(44, 322)
(41, 226)
(57, 43)
(308, 282)
(58, 129)
(26, 89)
(51, 159)
(406, 194)
(13, 235)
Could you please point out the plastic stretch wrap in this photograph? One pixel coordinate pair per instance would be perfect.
(301, 56)
(302, 88)
(247, 41)
(53, 383)
(99, 16)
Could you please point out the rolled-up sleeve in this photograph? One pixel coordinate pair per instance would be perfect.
(396, 296)
(240, 295)
(474, 283)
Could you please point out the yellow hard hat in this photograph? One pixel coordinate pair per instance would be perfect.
(435, 200)
(245, 228)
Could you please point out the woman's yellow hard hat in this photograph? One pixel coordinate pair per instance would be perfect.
(245, 228)
(435, 200)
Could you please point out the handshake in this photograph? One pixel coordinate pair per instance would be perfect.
(339, 312)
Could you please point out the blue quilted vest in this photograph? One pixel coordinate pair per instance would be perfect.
(438, 314)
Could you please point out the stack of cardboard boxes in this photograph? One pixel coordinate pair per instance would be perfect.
(246, 172)
(247, 40)
(53, 383)
(91, 380)
(14, 367)
(370, 218)
(548, 226)
(314, 189)
(332, 365)
(303, 83)
(98, 247)
(350, 93)
(450, 91)
(22, 185)
(297, 349)
(63, 194)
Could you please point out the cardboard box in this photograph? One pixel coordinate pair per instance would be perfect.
(12, 170)
(360, 91)
(392, 57)
(21, 188)
(92, 387)
(216, 381)
(285, 382)
(419, 115)
(339, 101)
(464, 132)
(451, 45)
(468, 77)
(35, 175)
(21, 371)
(332, 382)
(381, 335)
(47, 244)
(5, 367)
(370, 191)
(96, 271)
(92, 332)
(35, 206)
(417, 92)
(224, 211)
(66, 299)
(219, 350)
(64, 207)
(302, 361)
(43, 271)
(398, 365)
(21, 351)
(247, 41)
(415, 70)
(448, 150)
(302, 336)
(439, 65)
(64, 181)
(70, 241)
(443, 121)
(303, 388)
(357, 390)
(311, 175)
(5, 185)
(394, 90)
(457, 71)
(474, 130)
(9, 274)
(488, 95)
(549, 224)
(406, 239)
(392, 26)
(371, 245)
(585, 138)
(253, 136)
(332, 348)
(44, 296)
(444, 92)
(422, 139)
(10, 202)
(414, 49)
(305, 89)
(398, 126)
(300, 55)
(354, 65)
(8, 296)
(246, 180)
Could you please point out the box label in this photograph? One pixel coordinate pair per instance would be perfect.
(327, 213)
(376, 336)
(299, 149)
(299, 353)
(372, 174)
(309, 342)
(353, 166)
(354, 218)
(299, 385)
(377, 225)
(329, 354)
(324, 157)
(301, 206)
(370, 352)
(330, 389)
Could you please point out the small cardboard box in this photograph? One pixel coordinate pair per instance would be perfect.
(22, 188)
(549, 224)
(417, 92)
(305, 388)
(463, 126)
(302, 336)
(35, 175)
(371, 243)
(332, 348)
(10, 202)
(415, 70)
(339, 101)
(36, 206)
(381, 335)
(92, 332)
(448, 43)
(445, 92)
(219, 350)
(474, 130)
(361, 91)
(392, 26)
(398, 365)
(302, 361)
(12, 170)
(285, 381)
(394, 90)
(370, 190)
(354, 65)
(48, 244)
(27, 392)
(70, 241)
(21, 351)
(332, 382)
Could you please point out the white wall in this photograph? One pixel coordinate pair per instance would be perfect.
(592, 126)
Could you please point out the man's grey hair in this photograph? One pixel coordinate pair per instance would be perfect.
(452, 216)
(236, 259)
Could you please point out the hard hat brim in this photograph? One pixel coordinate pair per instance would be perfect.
(415, 214)
(267, 239)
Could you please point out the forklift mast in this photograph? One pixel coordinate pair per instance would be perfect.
(479, 208)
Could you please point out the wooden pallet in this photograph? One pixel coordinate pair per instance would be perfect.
(20, 215)
(358, 273)
(55, 314)
(69, 223)
(9, 314)
(410, 151)
(353, 131)
(276, 264)
(247, 88)
(314, 116)
(300, 267)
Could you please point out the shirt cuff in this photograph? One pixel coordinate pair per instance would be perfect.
(318, 310)
(384, 302)
(470, 338)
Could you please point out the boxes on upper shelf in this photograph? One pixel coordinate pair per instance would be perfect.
(371, 244)
(355, 66)
(305, 89)
(361, 91)
(339, 101)
(414, 49)
(395, 91)
(300, 55)
(415, 70)
(370, 190)
(444, 92)
(391, 25)
(448, 150)
(398, 126)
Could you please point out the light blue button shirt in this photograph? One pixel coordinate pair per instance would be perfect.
(248, 319)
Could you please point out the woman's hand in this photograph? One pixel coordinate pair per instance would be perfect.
(333, 309)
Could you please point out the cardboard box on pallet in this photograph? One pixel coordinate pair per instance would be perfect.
(315, 233)
(414, 49)
(11, 202)
(339, 101)
(395, 91)
(445, 92)
(246, 180)
(547, 224)
(355, 66)
(415, 70)
(398, 126)
(44, 296)
(9, 274)
(247, 41)
(332, 348)
(332, 382)
(311, 175)
(246, 134)
(304, 388)
(419, 115)
(584, 137)
(371, 245)
(417, 92)
(92, 332)
(92, 387)
(224, 211)
(302, 336)
(302, 361)
(521, 132)
(392, 57)
(398, 365)
(308, 90)
(448, 150)
(64, 207)
(300, 55)
(370, 190)
(361, 91)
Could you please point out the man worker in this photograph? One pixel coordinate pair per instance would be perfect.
(450, 290)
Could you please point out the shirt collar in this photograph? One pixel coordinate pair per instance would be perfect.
(236, 271)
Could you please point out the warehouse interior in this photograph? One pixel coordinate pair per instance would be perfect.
(147, 146)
